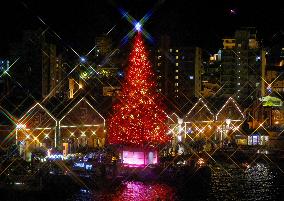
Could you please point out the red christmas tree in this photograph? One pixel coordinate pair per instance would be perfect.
(138, 118)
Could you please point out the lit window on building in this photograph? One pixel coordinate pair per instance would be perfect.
(239, 83)
(176, 70)
(171, 50)
(176, 77)
(191, 77)
(159, 57)
(176, 64)
(176, 57)
(176, 84)
(176, 50)
(159, 64)
(257, 139)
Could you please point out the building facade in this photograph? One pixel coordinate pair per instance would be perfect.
(4, 76)
(179, 72)
(241, 66)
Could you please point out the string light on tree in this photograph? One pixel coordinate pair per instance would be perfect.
(138, 118)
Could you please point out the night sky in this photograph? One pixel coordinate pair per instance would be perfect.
(189, 23)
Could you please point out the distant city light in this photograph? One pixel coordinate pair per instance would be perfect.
(83, 59)
(120, 73)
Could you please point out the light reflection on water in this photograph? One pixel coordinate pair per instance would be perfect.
(130, 190)
(259, 182)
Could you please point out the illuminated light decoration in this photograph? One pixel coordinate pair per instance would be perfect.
(195, 105)
(84, 125)
(138, 118)
(83, 165)
(82, 99)
(198, 117)
(235, 104)
(27, 117)
(48, 128)
(84, 75)
(55, 157)
(233, 12)
(271, 101)
(64, 124)
(138, 25)
(173, 118)
(6, 71)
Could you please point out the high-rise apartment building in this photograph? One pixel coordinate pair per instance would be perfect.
(179, 72)
(4, 76)
(241, 66)
(37, 70)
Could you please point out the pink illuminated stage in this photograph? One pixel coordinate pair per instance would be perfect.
(138, 157)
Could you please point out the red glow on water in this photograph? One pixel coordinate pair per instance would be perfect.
(139, 191)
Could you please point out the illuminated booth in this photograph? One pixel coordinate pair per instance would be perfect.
(81, 126)
(138, 157)
(229, 119)
(36, 128)
(199, 121)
